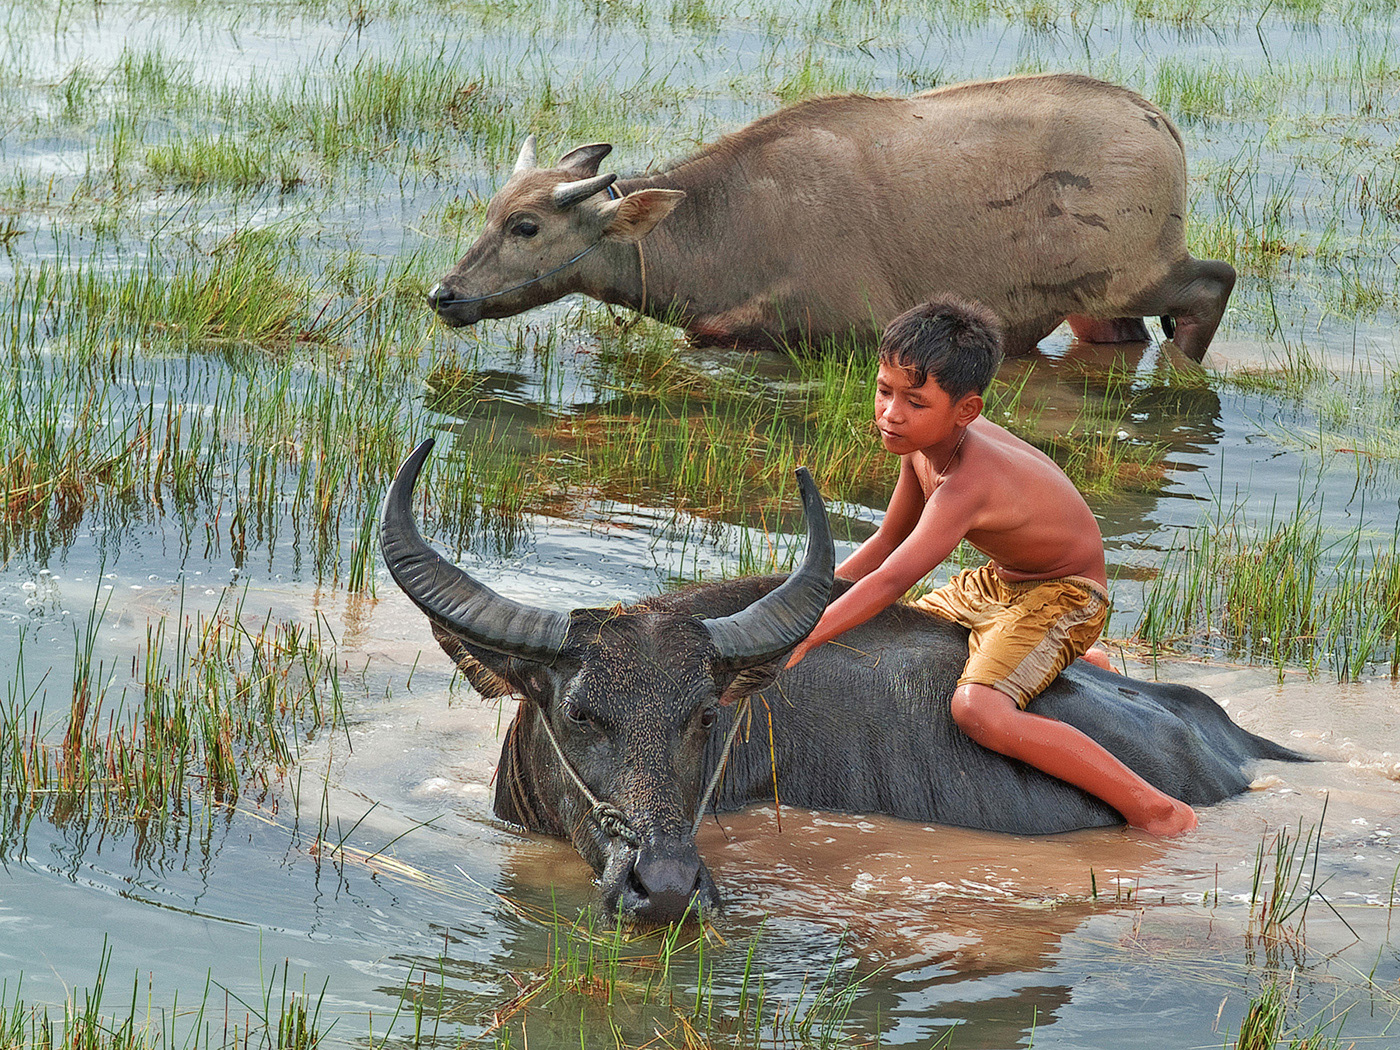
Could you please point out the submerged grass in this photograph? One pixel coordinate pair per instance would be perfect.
(420, 110)
(718, 443)
(85, 1021)
(220, 706)
(1283, 589)
(641, 989)
(660, 987)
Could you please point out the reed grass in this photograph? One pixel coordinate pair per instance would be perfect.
(85, 1021)
(639, 988)
(411, 112)
(1283, 590)
(1263, 1021)
(661, 986)
(212, 707)
(199, 162)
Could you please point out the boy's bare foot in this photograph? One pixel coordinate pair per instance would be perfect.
(1173, 817)
(1098, 656)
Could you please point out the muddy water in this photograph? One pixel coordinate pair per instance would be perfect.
(376, 864)
(1082, 939)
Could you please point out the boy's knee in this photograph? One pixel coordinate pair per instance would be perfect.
(980, 711)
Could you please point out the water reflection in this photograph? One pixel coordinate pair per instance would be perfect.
(992, 936)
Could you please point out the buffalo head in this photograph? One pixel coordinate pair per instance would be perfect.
(539, 227)
(618, 704)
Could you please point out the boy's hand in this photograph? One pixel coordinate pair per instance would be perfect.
(803, 648)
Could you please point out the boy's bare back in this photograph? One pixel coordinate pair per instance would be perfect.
(1014, 504)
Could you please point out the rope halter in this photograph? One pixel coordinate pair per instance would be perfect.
(609, 818)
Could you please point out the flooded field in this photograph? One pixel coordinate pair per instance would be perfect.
(243, 800)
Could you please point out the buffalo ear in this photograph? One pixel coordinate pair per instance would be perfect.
(636, 215)
(495, 675)
(484, 669)
(582, 162)
(750, 680)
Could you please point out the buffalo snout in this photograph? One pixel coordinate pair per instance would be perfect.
(454, 310)
(659, 883)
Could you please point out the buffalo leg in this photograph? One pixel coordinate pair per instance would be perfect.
(1022, 339)
(1110, 330)
(1194, 297)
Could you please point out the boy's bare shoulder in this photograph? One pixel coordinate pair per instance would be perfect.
(994, 442)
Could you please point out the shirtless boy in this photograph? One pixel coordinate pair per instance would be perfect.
(1038, 604)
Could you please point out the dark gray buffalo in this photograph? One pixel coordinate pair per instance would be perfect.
(1046, 197)
(639, 700)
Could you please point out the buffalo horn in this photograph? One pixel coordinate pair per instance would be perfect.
(780, 619)
(584, 160)
(567, 194)
(526, 160)
(450, 597)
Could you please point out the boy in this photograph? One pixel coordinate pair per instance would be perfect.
(1042, 599)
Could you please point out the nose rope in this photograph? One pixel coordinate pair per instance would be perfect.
(612, 195)
(517, 287)
(607, 816)
(611, 819)
(739, 713)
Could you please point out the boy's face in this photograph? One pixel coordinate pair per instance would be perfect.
(911, 417)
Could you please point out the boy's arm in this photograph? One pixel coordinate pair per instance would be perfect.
(944, 521)
(902, 515)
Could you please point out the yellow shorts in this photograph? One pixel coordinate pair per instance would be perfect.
(1023, 634)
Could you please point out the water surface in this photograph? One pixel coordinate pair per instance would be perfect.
(372, 873)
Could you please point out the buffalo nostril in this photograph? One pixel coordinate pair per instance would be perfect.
(664, 887)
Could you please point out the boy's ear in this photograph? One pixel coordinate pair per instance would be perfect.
(968, 408)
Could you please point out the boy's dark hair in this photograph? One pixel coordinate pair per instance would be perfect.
(956, 342)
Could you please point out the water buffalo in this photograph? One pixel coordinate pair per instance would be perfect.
(1046, 197)
(639, 701)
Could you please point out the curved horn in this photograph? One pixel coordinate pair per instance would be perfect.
(567, 194)
(526, 160)
(780, 619)
(584, 160)
(450, 597)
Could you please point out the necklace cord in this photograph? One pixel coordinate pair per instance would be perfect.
(942, 474)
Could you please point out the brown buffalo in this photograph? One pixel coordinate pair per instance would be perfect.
(1048, 198)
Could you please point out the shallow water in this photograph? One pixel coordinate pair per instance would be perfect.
(374, 873)
(1082, 938)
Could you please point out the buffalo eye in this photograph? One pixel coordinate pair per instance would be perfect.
(707, 718)
(525, 228)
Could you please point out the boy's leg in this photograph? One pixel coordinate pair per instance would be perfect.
(992, 719)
